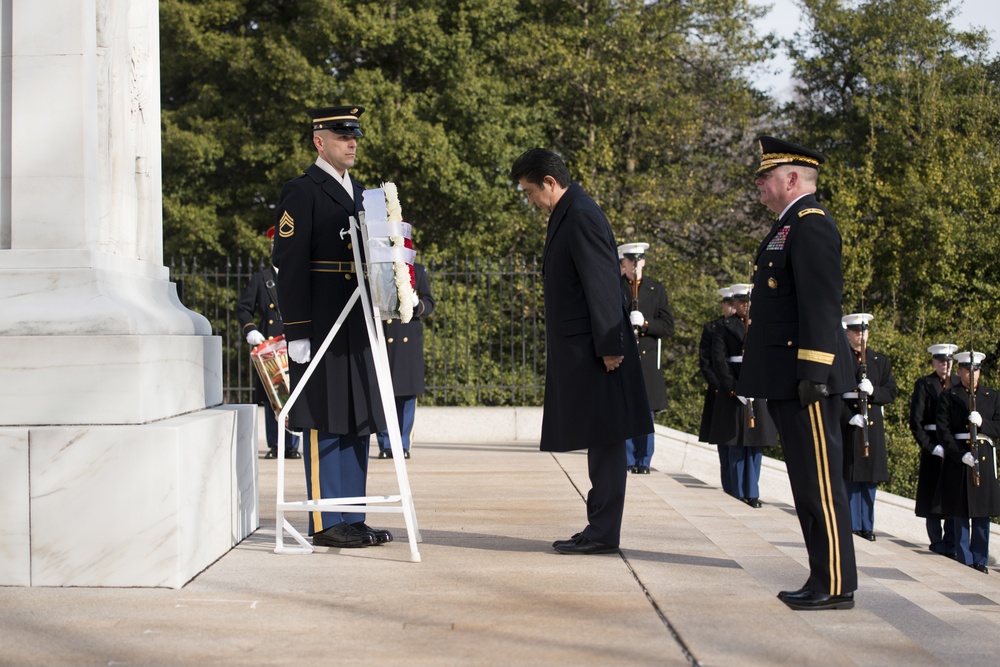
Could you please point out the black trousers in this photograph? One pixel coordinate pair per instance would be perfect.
(606, 498)
(814, 456)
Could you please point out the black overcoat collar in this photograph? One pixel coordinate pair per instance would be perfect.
(334, 189)
(558, 215)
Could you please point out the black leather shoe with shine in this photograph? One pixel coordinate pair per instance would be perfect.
(384, 454)
(754, 503)
(816, 601)
(581, 545)
(343, 536)
(799, 593)
(381, 535)
(271, 454)
(293, 454)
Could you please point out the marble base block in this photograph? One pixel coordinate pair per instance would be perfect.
(147, 505)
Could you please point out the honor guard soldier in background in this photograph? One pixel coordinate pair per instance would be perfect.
(261, 296)
(740, 425)
(923, 425)
(708, 372)
(866, 457)
(796, 356)
(405, 346)
(651, 321)
(339, 408)
(968, 489)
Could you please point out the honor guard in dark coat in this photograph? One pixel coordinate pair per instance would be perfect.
(595, 396)
(339, 408)
(796, 356)
(968, 490)
(923, 425)
(651, 321)
(261, 296)
(866, 457)
(708, 372)
(740, 424)
(405, 345)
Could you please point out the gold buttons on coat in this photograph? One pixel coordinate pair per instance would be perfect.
(347, 276)
(789, 343)
(406, 339)
(271, 306)
(770, 263)
(390, 340)
(270, 321)
(772, 283)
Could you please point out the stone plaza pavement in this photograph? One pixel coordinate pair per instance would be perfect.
(694, 583)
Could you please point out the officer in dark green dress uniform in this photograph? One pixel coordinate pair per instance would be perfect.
(923, 425)
(878, 388)
(651, 321)
(339, 408)
(707, 369)
(796, 356)
(968, 490)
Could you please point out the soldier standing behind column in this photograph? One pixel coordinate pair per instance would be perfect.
(651, 321)
(958, 494)
(708, 372)
(878, 387)
(923, 425)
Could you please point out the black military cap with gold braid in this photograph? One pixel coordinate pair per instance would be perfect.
(776, 152)
(342, 120)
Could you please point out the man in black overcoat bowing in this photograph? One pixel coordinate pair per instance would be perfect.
(594, 392)
(923, 425)
(339, 408)
(796, 356)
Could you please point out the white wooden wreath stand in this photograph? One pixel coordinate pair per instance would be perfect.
(379, 504)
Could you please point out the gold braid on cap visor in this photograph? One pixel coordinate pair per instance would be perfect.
(768, 160)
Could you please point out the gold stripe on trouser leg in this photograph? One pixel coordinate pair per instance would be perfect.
(826, 495)
(317, 517)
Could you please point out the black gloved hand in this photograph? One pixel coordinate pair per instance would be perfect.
(810, 392)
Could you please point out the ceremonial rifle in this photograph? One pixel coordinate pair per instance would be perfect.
(973, 429)
(862, 395)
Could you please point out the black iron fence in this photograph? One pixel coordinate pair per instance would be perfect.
(483, 345)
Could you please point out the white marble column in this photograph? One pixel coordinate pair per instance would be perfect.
(111, 424)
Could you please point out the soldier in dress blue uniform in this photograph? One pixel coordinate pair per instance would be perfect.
(261, 296)
(796, 356)
(958, 494)
(708, 372)
(651, 321)
(923, 425)
(405, 346)
(863, 473)
(339, 408)
(740, 425)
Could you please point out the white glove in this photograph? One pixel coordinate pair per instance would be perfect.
(857, 420)
(300, 351)
(938, 451)
(636, 318)
(743, 399)
(416, 300)
(975, 419)
(255, 337)
(968, 460)
(866, 387)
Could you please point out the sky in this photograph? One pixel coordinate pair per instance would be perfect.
(783, 20)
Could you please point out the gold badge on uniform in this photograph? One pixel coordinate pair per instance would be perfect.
(286, 226)
(772, 283)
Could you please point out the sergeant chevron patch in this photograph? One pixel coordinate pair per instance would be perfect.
(286, 226)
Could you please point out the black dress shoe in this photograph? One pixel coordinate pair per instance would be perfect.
(982, 568)
(406, 453)
(343, 536)
(813, 601)
(754, 503)
(271, 454)
(643, 470)
(569, 541)
(384, 454)
(292, 454)
(634, 470)
(868, 535)
(381, 535)
(581, 545)
(799, 593)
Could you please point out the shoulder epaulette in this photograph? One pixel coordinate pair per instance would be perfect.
(809, 211)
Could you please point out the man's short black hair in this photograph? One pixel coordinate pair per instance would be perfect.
(535, 164)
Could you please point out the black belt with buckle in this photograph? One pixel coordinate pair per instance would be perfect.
(332, 267)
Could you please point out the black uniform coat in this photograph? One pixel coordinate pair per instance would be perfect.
(260, 296)
(956, 494)
(586, 318)
(730, 417)
(653, 304)
(923, 413)
(795, 331)
(874, 468)
(405, 342)
(707, 372)
(318, 277)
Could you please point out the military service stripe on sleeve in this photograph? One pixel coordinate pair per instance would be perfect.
(809, 211)
(825, 358)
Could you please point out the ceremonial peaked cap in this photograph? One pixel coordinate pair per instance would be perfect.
(856, 321)
(943, 351)
(740, 291)
(776, 152)
(342, 120)
(970, 359)
(634, 250)
(726, 293)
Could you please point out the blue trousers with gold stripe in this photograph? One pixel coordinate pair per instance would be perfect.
(336, 467)
(811, 443)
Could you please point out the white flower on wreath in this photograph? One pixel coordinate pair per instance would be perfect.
(401, 271)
